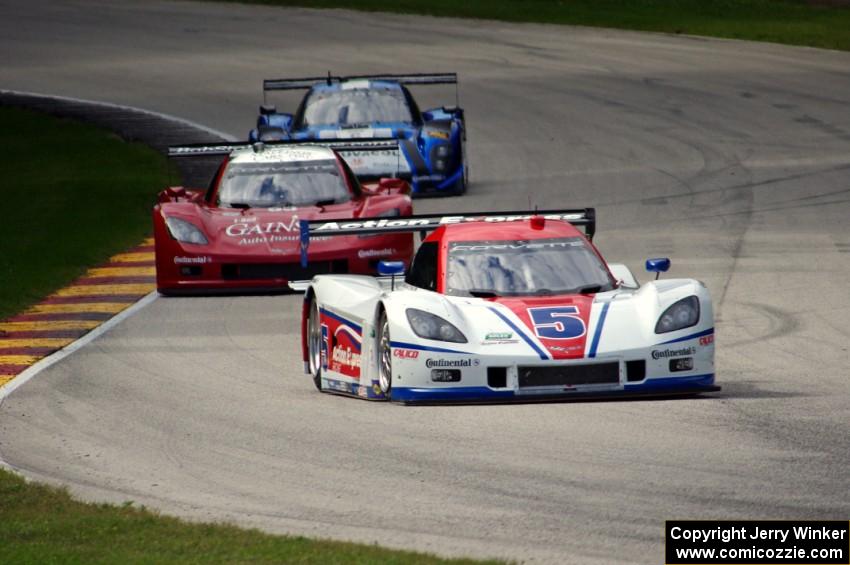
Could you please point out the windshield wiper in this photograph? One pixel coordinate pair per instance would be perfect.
(482, 293)
(240, 205)
(588, 289)
(322, 203)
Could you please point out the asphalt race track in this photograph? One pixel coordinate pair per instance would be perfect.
(732, 158)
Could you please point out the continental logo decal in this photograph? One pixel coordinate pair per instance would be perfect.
(451, 363)
(366, 253)
(665, 353)
(192, 260)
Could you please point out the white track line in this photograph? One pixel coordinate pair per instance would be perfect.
(225, 136)
(54, 358)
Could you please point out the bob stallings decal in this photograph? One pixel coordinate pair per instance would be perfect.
(192, 260)
(663, 353)
(366, 253)
(447, 363)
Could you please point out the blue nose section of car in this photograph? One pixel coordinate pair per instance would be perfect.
(658, 265)
(386, 268)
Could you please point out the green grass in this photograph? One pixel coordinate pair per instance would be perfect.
(72, 196)
(796, 22)
(41, 524)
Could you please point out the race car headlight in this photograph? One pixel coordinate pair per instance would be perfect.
(429, 326)
(682, 314)
(185, 232)
(441, 157)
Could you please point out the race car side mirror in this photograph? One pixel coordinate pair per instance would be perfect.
(393, 186)
(391, 268)
(175, 192)
(266, 109)
(386, 186)
(658, 265)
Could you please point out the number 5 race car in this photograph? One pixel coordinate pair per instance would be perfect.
(243, 232)
(504, 306)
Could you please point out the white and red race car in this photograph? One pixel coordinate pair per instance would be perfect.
(503, 306)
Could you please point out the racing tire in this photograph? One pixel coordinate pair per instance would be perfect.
(463, 181)
(314, 344)
(385, 357)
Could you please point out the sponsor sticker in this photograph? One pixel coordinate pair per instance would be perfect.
(346, 357)
(426, 222)
(367, 253)
(437, 133)
(706, 339)
(564, 349)
(450, 363)
(406, 353)
(665, 353)
(573, 242)
(192, 260)
(498, 336)
(243, 229)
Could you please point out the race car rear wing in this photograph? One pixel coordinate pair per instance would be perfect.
(368, 158)
(339, 145)
(409, 79)
(583, 217)
(308, 82)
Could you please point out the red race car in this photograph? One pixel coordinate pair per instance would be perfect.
(242, 233)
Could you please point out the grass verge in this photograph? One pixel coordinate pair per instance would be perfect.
(824, 23)
(42, 524)
(73, 195)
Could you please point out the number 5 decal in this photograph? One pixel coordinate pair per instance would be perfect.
(558, 322)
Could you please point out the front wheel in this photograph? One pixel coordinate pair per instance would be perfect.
(464, 180)
(314, 344)
(385, 357)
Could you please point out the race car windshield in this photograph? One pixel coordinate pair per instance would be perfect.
(268, 185)
(353, 107)
(520, 268)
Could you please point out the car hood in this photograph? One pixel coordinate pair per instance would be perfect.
(254, 231)
(559, 322)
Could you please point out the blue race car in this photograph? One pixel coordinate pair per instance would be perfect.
(431, 152)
